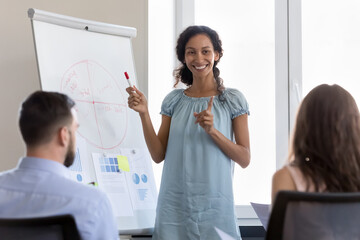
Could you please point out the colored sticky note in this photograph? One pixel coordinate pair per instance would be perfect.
(123, 163)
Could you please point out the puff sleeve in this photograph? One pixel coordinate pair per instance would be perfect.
(236, 102)
(170, 101)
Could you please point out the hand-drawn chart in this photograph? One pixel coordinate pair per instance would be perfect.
(100, 104)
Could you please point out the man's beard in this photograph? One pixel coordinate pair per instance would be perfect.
(70, 154)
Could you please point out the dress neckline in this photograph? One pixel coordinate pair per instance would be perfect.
(183, 93)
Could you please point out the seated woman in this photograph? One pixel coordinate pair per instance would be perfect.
(325, 151)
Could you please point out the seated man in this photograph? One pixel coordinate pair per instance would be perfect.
(39, 186)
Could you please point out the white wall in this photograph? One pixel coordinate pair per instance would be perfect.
(18, 69)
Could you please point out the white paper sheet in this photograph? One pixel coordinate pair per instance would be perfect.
(263, 213)
(80, 168)
(140, 179)
(113, 182)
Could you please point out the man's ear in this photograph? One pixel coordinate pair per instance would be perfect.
(63, 136)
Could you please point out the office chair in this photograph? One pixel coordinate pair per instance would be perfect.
(50, 228)
(301, 215)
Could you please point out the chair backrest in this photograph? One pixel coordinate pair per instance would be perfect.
(301, 215)
(50, 228)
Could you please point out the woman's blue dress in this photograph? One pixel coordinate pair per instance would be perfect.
(196, 192)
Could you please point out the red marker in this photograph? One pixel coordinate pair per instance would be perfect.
(127, 78)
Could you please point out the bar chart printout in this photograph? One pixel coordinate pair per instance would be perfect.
(127, 178)
(112, 181)
(140, 178)
(79, 169)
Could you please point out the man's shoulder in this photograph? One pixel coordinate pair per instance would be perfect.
(52, 186)
(81, 190)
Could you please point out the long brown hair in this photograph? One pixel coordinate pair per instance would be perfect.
(182, 73)
(326, 141)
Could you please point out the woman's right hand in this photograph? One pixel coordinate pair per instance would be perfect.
(137, 100)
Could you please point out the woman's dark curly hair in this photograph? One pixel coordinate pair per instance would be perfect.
(182, 73)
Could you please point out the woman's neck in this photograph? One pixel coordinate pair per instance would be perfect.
(202, 88)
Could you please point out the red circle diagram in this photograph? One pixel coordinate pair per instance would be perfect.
(100, 104)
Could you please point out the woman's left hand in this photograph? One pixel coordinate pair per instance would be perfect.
(205, 118)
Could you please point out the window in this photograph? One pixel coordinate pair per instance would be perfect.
(247, 30)
(274, 52)
(331, 44)
(161, 63)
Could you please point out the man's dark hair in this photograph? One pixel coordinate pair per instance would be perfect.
(42, 114)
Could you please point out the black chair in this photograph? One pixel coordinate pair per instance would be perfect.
(300, 215)
(50, 228)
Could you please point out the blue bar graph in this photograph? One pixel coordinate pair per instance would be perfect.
(142, 194)
(76, 166)
(109, 164)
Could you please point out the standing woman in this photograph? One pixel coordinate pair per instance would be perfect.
(204, 130)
